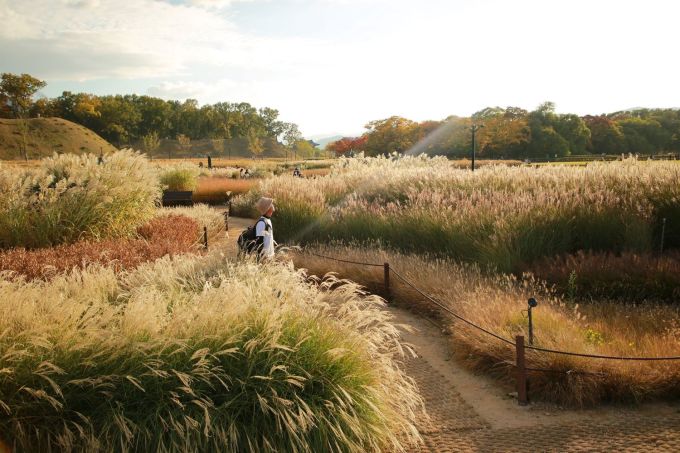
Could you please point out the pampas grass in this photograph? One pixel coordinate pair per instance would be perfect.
(71, 197)
(496, 303)
(194, 354)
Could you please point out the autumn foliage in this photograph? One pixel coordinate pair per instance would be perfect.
(346, 145)
(168, 235)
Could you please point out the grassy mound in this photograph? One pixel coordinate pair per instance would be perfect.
(42, 137)
(200, 355)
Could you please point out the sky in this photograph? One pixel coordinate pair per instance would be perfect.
(331, 66)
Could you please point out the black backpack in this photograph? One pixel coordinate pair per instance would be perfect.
(247, 240)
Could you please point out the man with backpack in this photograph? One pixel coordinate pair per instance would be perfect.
(260, 237)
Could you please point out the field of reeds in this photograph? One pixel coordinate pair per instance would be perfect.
(469, 239)
(500, 217)
(498, 304)
(114, 338)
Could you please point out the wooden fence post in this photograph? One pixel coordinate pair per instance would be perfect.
(205, 237)
(522, 397)
(386, 277)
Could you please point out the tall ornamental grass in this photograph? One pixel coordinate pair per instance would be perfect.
(180, 177)
(498, 304)
(71, 197)
(192, 354)
(500, 217)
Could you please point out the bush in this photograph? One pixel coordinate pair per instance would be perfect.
(182, 177)
(70, 198)
(200, 355)
(168, 235)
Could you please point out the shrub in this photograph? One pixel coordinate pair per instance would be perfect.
(72, 197)
(168, 235)
(204, 217)
(200, 355)
(182, 177)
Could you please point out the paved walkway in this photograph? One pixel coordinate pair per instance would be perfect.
(470, 413)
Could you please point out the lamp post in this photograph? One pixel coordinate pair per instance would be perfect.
(475, 128)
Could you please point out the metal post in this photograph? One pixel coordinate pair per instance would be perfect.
(386, 277)
(522, 397)
(205, 237)
(474, 129)
(531, 328)
(663, 233)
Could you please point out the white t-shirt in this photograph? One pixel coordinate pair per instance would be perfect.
(264, 228)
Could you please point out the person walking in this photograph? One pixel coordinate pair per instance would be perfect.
(264, 231)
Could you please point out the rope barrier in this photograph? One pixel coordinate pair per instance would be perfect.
(448, 310)
(345, 261)
(498, 337)
(596, 356)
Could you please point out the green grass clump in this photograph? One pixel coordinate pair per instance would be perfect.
(182, 177)
(200, 355)
(72, 197)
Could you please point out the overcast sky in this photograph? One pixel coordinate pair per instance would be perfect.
(333, 65)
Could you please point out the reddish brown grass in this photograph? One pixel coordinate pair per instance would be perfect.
(213, 190)
(168, 235)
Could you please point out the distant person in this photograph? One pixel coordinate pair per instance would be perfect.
(100, 159)
(297, 173)
(209, 162)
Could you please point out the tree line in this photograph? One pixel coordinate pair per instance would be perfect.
(145, 120)
(515, 133)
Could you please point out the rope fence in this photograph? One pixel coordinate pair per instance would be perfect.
(520, 346)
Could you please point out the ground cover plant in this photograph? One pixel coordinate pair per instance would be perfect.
(505, 218)
(496, 303)
(165, 235)
(217, 190)
(199, 354)
(69, 198)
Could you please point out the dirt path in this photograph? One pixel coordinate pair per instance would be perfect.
(473, 413)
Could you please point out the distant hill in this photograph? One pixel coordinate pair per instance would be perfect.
(46, 136)
(323, 141)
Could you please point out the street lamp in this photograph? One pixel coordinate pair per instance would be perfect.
(475, 128)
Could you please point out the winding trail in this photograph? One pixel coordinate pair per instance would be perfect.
(472, 413)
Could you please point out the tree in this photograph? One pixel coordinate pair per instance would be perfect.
(16, 93)
(184, 143)
(291, 135)
(217, 145)
(575, 131)
(394, 134)
(255, 144)
(347, 145)
(606, 136)
(151, 142)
